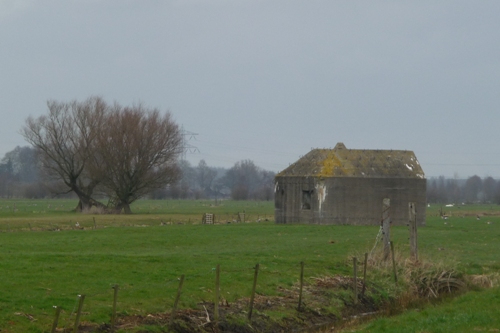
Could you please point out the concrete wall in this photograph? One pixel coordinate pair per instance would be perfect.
(347, 200)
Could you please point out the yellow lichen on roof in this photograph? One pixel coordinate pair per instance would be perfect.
(329, 164)
(342, 162)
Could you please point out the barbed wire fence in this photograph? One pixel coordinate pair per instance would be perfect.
(75, 315)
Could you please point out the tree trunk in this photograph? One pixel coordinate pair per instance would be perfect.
(122, 207)
(79, 206)
(126, 208)
(85, 203)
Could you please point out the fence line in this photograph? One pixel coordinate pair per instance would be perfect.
(79, 304)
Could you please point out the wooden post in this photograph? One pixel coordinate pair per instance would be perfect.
(413, 231)
(301, 285)
(355, 273)
(386, 225)
(217, 293)
(364, 275)
(113, 315)
(95, 224)
(254, 287)
(78, 314)
(177, 297)
(394, 264)
(56, 320)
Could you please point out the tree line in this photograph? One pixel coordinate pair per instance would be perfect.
(108, 156)
(21, 177)
(243, 181)
(471, 190)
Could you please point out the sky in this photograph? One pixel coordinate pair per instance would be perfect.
(268, 80)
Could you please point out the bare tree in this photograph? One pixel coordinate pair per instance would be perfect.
(65, 140)
(453, 191)
(496, 195)
(124, 152)
(23, 162)
(472, 188)
(205, 177)
(265, 191)
(138, 150)
(489, 187)
(247, 181)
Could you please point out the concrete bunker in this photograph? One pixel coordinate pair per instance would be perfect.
(348, 186)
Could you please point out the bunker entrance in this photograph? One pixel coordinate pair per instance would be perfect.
(306, 199)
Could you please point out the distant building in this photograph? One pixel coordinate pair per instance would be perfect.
(348, 186)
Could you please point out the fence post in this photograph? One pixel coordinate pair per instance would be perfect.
(301, 285)
(355, 271)
(252, 297)
(386, 224)
(113, 315)
(217, 293)
(413, 231)
(95, 224)
(56, 319)
(78, 313)
(177, 297)
(394, 264)
(364, 275)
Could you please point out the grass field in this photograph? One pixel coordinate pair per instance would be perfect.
(475, 311)
(53, 214)
(145, 253)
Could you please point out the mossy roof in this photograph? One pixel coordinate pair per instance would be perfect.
(343, 162)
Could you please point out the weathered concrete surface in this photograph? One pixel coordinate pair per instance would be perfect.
(347, 186)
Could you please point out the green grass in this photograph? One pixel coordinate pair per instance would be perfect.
(41, 269)
(25, 215)
(476, 311)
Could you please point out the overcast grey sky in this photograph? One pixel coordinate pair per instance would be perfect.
(268, 80)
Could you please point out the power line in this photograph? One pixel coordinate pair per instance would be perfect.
(462, 164)
(187, 147)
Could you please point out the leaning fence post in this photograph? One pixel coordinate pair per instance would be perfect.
(394, 264)
(177, 297)
(355, 271)
(113, 315)
(217, 293)
(78, 313)
(301, 285)
(252, 297)
(56, 319)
